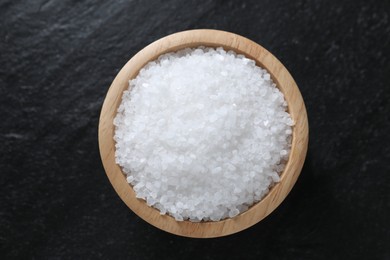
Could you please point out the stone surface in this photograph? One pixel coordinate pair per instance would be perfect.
(58, 59)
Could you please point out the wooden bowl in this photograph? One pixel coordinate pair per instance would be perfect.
(209, 38)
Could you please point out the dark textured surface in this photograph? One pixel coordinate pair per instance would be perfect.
(58, 59)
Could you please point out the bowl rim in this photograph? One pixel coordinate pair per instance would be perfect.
(208, 38)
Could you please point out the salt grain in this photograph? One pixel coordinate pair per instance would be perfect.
(202, 134)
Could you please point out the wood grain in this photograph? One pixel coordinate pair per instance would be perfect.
(228, 41)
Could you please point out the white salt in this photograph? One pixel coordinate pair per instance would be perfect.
(202, 134)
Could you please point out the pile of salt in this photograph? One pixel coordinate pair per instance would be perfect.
(202, 134)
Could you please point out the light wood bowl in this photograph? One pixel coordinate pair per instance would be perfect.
(209, 38)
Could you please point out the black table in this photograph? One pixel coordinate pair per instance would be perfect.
(58, 59)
